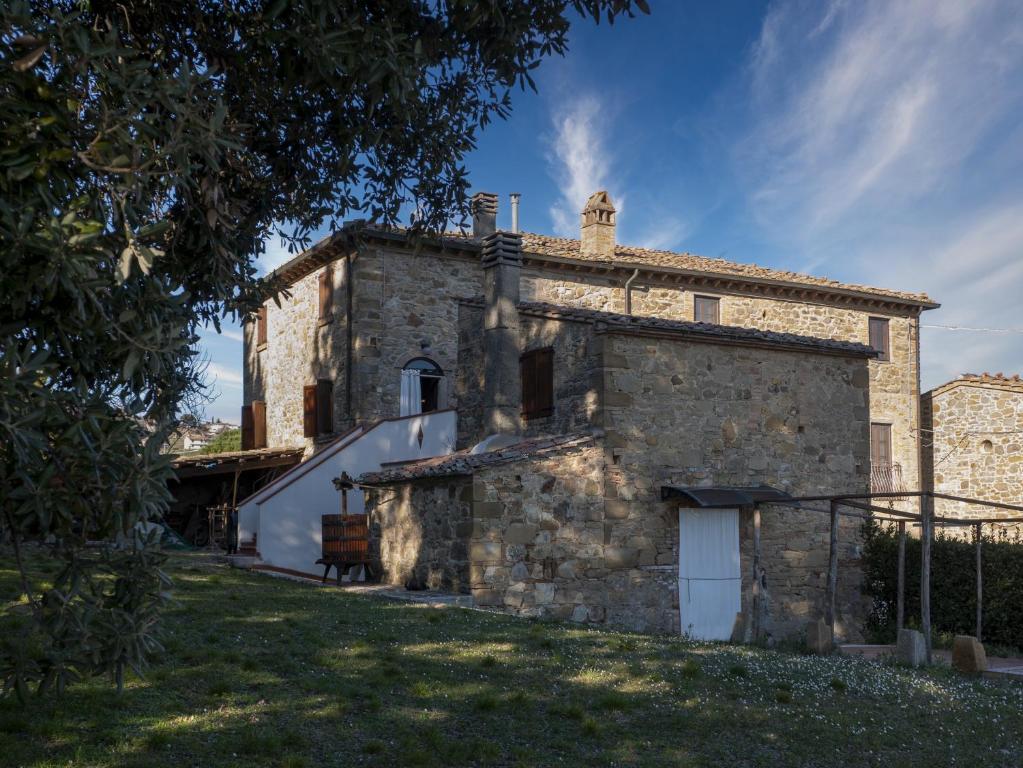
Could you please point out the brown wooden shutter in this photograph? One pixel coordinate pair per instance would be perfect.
(879, 337)
(326, 293)
(258, 424)
(261, 327)
(706, 309)
(881, 444)
(247, 428)
(309, 410)
(527, 373)
(324, 406)
(537, 373)
(544, 382)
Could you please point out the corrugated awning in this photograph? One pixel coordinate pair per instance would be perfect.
(723, 498)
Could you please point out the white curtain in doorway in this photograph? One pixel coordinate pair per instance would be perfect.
(411, 401)
(709, 576)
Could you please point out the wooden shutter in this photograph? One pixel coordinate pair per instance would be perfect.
(881, 445)
(261, 327)
(324, 406)
(706, 309)
(309, 410)
(537, 373)
(326, 293)
(879, 337)
(258, 424)
(247, 428)
(544, 382)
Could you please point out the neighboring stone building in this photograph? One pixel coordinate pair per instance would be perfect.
(591, 382)
(973, 443)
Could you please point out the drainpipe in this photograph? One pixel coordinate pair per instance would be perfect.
(628, 292)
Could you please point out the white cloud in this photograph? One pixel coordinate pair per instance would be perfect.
(224, 377)
(275, 254)
(580, 160)
(882, 145)
(227, 333)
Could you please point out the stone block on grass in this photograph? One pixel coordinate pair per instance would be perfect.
(910, 649)
(968, 655)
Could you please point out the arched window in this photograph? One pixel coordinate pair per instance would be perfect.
(420, 386)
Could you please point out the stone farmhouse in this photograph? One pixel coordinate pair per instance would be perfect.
(973, 442)
(577, 428)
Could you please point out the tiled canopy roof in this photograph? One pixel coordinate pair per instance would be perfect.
(627, 255)
(706, 332)
(465, 463)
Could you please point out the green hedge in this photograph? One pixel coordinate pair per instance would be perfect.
(953, 585)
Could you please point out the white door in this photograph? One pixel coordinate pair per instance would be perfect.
(709, 579)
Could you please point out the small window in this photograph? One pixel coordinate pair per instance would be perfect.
(421, 381)
(987, 446)
(707, 309)
(537, 372)
(318, 408)
(261, 328)
(327, 294)
(881, 445)
(879, 337)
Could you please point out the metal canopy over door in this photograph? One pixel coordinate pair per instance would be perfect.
(709, 576)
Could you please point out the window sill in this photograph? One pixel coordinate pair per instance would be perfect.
(261, 347)
(537, 416)
(325, 321)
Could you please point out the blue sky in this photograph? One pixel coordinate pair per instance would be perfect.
(871, 142)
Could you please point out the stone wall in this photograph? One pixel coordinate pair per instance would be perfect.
(894, 385)
(690, 414)
(577, 374)
(405, 306)
(976, 446)
(300, 349)
(421, 532)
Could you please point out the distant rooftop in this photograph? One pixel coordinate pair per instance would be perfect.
(996, 380)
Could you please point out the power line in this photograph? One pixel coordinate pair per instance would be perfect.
(967, 328)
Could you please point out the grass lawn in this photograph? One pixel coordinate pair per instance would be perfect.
(266, 672)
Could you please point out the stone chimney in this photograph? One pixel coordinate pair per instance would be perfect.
(502, 267)
(484, 214)
(598, 229)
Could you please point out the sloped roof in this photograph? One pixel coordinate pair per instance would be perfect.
(704, 332)
(627, 255)
(1012, 383)
(465, 463)
(568, 250)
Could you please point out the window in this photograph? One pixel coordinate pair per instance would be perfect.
(327, 295)
(261, 328)
(879, 337)
(537, 371)
(421, 380)
(707, 309)
(881, 445)
(318, 408)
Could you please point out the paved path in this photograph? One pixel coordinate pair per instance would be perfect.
(997, 666)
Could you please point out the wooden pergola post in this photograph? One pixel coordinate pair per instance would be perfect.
(755, 629)
(829, 607)
(980, 585)
(926, 532)
(900, 609)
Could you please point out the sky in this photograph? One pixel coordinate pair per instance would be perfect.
(873, 142)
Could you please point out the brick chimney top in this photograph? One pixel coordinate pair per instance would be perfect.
(598, 227)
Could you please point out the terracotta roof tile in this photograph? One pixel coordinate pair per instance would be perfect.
(567, 248)
(998, 380)
(465, 463)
